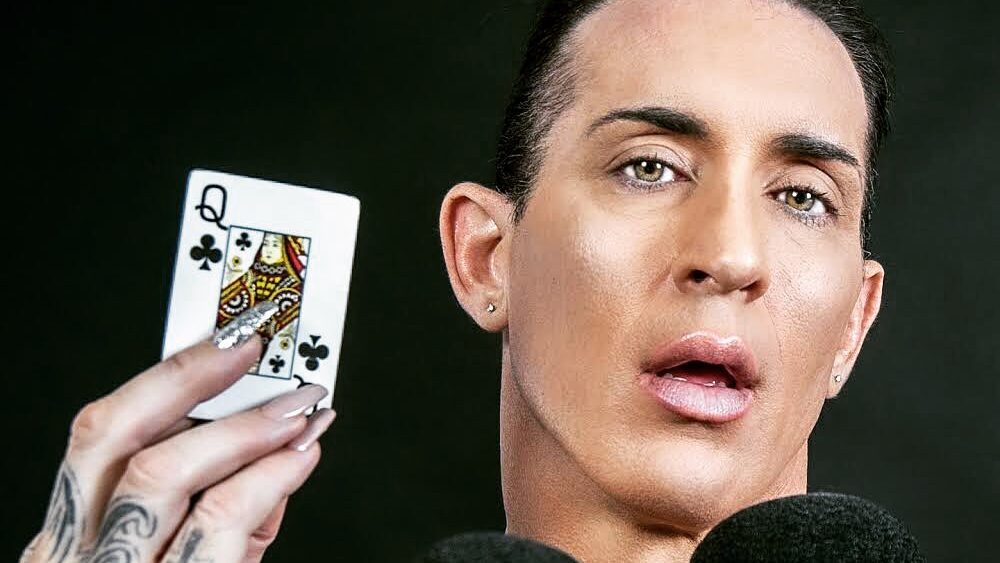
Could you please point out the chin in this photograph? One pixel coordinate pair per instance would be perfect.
(688, 485)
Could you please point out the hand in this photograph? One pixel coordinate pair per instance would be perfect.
(142, 483)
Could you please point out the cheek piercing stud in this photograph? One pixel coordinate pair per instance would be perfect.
(838, 378)
(491, 308)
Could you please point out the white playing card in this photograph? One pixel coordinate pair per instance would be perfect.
(244, 241)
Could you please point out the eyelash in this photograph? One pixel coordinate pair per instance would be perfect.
(807, 218)
(648, 186)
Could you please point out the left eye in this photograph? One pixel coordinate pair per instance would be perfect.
(649, 171)
(802, 200)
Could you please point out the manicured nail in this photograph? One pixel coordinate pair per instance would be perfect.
(318, 423)
(240, 329)
(296, 402)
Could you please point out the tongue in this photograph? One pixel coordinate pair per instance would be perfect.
(702, 373)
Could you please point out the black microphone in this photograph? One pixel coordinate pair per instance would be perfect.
(492, 547)
(813, 527)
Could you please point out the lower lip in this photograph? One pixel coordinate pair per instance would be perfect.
(696, 401)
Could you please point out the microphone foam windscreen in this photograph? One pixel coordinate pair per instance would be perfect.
(812, 527)
(492, 547)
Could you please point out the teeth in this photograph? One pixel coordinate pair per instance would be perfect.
(708, 384)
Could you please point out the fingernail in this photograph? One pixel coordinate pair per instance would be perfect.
(240, 329)
(318, 423)
(296, 402)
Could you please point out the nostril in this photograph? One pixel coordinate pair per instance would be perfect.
(699, 276)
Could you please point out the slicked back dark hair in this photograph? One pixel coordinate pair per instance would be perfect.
(544, 89)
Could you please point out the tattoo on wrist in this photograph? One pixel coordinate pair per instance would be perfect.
(126, 523)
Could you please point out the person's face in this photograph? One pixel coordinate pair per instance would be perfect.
(714, 233)
(270, 249)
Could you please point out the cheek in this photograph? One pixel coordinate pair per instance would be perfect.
(576, 282)
(810, 303)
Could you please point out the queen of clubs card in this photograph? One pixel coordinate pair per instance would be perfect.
(276, 274)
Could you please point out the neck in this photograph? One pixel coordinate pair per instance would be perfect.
(549, 499)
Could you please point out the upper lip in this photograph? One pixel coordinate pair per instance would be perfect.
(729, 352)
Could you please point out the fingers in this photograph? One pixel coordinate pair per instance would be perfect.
(235, 520)
(156, 399)
(150, 406)
(206, 454)
(158, 482)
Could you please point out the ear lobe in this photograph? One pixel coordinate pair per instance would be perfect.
(863, 315)
(474, 225)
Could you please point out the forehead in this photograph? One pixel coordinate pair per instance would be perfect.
(752, 69)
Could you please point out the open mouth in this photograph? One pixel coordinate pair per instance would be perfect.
(702, 376)
(700, 373)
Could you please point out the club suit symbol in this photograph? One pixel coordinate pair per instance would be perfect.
(276, 364)
(313, 353)
(206, 252)
(244, 241)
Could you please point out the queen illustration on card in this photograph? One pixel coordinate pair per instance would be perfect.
(266, 266)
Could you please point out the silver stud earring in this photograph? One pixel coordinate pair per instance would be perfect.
(838, 378)
(491, 308)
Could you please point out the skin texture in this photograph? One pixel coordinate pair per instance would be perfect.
(602, 269)
(142, 483)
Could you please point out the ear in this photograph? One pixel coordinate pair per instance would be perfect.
(862, 316)
(474, 227)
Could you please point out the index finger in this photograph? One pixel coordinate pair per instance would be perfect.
(156, 399)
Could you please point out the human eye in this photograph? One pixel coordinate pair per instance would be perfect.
(811, 206)
(649, 172)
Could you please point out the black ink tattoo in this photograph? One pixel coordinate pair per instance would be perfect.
(191, 544)
(125, 523)
(64, 520)
(188, 546)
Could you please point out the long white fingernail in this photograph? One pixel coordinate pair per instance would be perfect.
(296, 402)
(318, 423)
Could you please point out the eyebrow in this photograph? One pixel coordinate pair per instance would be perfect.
(798, 145)
(802, 145)
(664, 118)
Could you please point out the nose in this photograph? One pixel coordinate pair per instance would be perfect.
(721, 245)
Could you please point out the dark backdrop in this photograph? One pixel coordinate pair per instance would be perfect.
(394, 102)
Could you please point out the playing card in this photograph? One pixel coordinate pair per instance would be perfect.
(244, 241)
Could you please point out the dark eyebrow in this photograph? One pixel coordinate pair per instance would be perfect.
(662, 117)
(801, 145)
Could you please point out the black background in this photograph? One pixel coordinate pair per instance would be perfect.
(395, 102)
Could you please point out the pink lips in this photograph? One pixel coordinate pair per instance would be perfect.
(706, 402)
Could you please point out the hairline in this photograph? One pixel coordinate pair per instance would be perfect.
(564, 93)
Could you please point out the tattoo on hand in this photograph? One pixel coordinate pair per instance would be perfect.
(64, 520)
(125, 522)
(188, 548)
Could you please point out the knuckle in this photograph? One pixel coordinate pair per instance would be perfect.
(151, 470)
(219, 508)
(91, 424)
